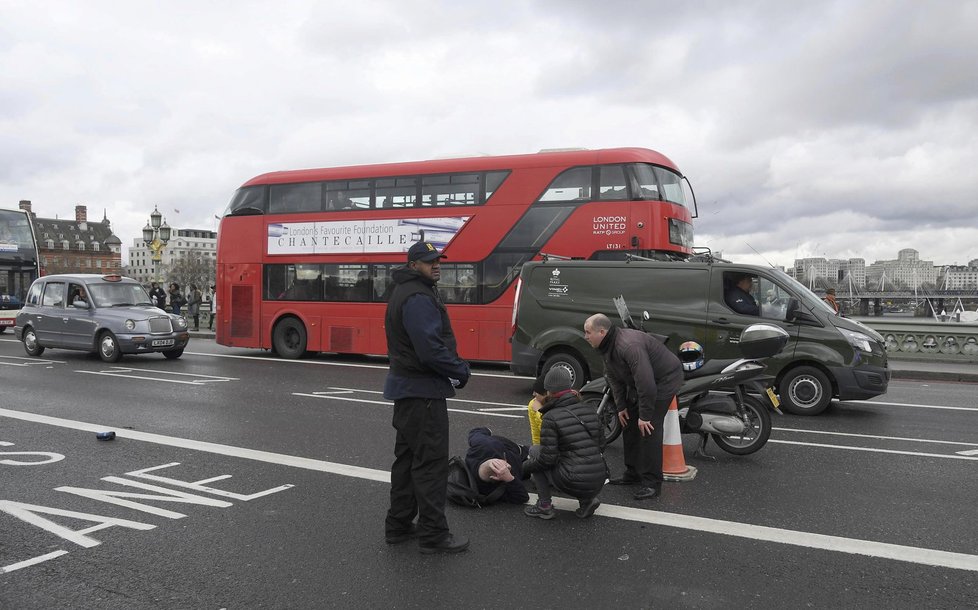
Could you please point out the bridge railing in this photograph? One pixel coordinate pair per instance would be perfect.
(923, 339)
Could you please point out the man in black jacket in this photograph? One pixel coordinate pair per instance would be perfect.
(644, 377)
(424, 371)
(496, 460)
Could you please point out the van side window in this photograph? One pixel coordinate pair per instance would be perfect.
(738, 293)
(774, 299)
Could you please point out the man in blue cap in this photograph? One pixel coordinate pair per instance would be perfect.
(424, 371)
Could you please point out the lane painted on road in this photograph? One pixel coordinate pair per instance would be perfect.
(345, 395)
(839, 544)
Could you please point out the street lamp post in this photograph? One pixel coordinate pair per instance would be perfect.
(155, 235)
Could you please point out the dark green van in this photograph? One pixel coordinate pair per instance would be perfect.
(828, 355)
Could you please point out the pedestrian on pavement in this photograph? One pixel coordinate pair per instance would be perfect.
(193, 305)
(425, 369)
(830, 299)
(158, 295)
(644, 377)
(497, 461)
(568, 457)
(176, 298)
(210, 323)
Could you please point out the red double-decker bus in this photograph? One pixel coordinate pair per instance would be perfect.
(304, 257)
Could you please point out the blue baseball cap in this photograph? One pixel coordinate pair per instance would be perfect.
(424, 251)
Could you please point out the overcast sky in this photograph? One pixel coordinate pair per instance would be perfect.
(836, 129)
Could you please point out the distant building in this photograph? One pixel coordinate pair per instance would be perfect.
(960, 277)
(907, 271)
(77, 246)
(824, 273)
(181, 244)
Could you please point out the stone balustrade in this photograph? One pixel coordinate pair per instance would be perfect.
(925, 339)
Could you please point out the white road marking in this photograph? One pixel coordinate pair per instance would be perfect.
(971, 452)
(876, 450)
(908, 404)
(839, 544)
(30, 562)
(126, 373)
(28, 361)
(383, 367)
(875, 436)
(386, 403)
(495, 412)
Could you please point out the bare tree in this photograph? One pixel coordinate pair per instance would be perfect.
(193, 268)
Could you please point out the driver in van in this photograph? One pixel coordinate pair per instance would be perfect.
(737, 295)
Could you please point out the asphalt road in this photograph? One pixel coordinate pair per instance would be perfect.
(241, 481)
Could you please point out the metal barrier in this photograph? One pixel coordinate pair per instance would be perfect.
(922, 339)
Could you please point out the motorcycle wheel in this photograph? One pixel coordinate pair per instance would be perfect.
(756, 435)
(609, 419)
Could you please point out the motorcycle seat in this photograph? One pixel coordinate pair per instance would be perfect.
(710, 367)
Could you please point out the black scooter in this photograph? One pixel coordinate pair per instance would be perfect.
(728, 400)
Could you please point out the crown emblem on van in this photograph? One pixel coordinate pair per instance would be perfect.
(555, 272)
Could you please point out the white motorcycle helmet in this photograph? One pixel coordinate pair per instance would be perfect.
(691, 355)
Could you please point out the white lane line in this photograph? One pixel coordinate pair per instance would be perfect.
(839, 544)
(124, 369)
(171, 441)
(874, 436)
(945, 456)
(126, 374)
(972, 452)
(30, 562)
(383, 367)
(908, 404)
(496, 413)
(390, 404)
(475, 402)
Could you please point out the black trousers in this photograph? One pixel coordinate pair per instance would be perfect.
(643, 454)
(419, 476)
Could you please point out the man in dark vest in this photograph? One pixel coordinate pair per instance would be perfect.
(424, 370)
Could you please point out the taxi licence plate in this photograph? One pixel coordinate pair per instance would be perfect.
(773, 397)
(161, 342)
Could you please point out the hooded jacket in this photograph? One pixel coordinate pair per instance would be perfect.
(640, 369)
(569, 446)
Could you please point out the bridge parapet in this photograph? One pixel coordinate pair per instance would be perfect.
(922, 339)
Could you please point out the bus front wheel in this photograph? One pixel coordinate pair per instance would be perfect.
(289, 339)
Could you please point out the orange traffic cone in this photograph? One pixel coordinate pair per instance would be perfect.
(674, 466)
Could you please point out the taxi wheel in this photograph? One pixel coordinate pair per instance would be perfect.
(31, 346)
(173, 354)
(108, 348)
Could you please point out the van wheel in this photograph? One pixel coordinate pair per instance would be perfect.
(568, 362)
(805, 391)
(31, 346)
(289, 339)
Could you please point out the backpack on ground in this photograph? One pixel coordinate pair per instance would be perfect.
(463, 488)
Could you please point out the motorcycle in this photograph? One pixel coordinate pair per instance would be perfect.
(723, 399)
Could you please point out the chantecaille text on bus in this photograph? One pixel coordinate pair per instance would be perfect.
(360, 236)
